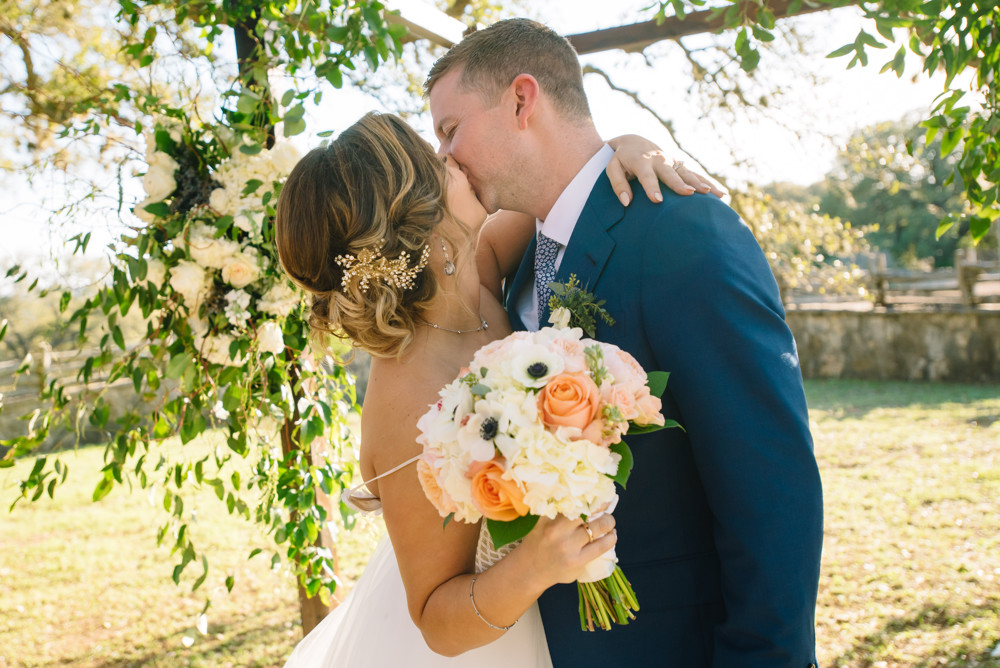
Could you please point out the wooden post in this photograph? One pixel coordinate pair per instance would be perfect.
(311, 609)
(968, 273)
(878, 267)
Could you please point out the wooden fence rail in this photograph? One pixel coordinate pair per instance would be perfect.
(20, 396)
(968, 270)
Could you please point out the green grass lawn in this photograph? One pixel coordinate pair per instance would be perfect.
(911, 560)
(911, 565)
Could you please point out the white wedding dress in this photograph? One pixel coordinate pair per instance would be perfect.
(372, 627)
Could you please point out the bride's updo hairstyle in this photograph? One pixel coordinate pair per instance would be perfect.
(378, 188)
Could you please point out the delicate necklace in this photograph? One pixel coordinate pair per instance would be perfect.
(482, 326)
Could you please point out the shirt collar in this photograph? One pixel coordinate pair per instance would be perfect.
(559, 224)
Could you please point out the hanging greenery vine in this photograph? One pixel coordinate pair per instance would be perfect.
(226, 341)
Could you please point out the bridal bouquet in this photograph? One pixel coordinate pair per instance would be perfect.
(534, 427)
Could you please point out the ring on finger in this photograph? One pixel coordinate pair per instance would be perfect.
(590, 533)
(677, 164)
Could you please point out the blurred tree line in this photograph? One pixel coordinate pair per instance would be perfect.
(892, 183)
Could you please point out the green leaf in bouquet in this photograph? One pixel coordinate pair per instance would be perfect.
(625, 465)
(504, 533)
(634, 429)
(657, 382)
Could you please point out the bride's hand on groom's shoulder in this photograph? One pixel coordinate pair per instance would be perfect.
(559, 549)
(639, 158)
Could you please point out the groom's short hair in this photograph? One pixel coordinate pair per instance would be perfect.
(491, 59)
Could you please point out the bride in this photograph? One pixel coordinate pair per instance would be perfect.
(383, 235)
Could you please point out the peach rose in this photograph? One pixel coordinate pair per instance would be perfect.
(240, 271)
(648, 408)
(495, 497)
(569, 400)
(437, 496)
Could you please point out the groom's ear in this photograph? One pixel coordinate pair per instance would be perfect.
(524, 90)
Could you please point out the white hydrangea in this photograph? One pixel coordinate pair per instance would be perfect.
(563, 476)
(212, 347)
(220, 200)
(237, 308)
(279, 300)
(268, 166)
(215, 349)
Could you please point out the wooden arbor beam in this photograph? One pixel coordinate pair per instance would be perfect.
(637, 36)
(424, 21)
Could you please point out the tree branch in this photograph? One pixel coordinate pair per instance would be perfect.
(31, 80)
(638, 36)
(666, 123)
(457, 8)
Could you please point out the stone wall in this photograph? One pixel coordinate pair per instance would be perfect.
(954, 346)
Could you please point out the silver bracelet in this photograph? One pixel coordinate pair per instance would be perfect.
(473, 599)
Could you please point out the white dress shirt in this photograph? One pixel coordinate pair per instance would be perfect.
(559, 225)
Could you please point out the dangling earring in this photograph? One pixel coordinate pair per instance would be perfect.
(449, 266)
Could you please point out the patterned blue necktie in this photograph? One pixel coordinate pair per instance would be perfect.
(545, 272)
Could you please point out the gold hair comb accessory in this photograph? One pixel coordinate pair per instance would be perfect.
(370, 265)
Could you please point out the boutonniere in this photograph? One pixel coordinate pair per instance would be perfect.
(572, 306)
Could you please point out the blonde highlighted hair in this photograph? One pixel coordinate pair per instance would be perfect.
(378, 186)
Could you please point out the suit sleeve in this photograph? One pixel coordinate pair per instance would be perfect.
(713, 317)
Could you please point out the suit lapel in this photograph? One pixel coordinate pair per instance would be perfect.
(590, 246)
(588, 251)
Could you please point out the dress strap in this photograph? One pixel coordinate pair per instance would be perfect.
(366, 501)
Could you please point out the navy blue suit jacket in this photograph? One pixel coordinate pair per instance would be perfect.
(721, 526)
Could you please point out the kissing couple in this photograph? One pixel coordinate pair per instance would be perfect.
(720, 528)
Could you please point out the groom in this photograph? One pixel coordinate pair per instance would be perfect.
(720, 529)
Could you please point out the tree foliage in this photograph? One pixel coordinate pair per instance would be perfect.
(225, 342)
(894, 183)
(949, 36)
(809, 252)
